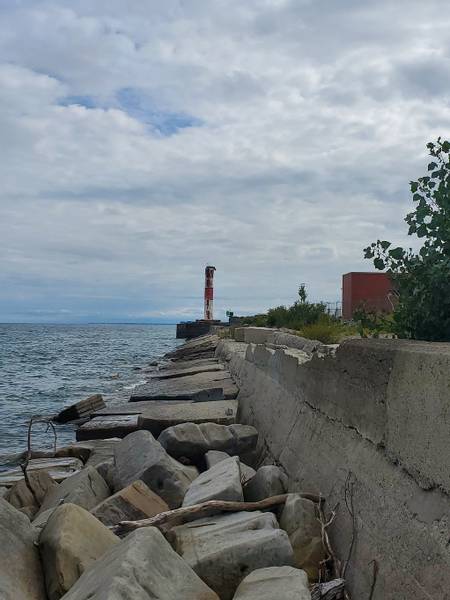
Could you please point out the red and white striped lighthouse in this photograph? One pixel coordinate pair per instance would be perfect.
(209, 292)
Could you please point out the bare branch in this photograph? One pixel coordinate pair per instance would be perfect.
(168, 519)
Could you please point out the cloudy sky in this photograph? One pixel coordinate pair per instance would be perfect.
(141, 140)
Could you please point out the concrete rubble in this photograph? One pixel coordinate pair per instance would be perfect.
(221, 482)
(222, 550)
(193, 441)
(269, 480)
(71, 541)
(133, 502)
(69, 550)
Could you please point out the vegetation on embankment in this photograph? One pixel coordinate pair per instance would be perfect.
(309, 319)
(422, 278)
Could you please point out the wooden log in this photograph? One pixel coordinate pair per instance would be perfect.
(167, 519)
(328, 590)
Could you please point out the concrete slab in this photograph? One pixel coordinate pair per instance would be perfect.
(188, 387)
(58, 469)
(159, 416)
(108, 426)
(185, 371)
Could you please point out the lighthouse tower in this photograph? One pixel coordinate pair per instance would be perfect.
(209, 293)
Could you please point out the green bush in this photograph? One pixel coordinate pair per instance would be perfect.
(422, 279)
(328, 331)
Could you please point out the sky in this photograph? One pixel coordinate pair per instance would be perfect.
(142, 140)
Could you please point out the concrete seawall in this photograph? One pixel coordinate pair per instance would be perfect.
(372, 416)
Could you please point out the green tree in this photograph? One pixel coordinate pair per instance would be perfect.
(422, 279)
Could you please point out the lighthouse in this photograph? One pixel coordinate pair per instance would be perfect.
(209, 293)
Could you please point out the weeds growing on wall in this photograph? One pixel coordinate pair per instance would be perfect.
(423, 278)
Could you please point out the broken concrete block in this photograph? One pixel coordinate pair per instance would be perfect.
(299, 520)
(21, 576)
(224, 549)
(82, 409)
(268, 481)
(58, 469)
(86, 489)
(236, 542)
(215, 456)
(107, 426)
(136, 501)
(142, 567)
(70, 542)
(192, 440)
(221, 482)
(286, 583)
(30, 495)
(140, 456)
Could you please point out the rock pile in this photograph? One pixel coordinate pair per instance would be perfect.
(69, 549)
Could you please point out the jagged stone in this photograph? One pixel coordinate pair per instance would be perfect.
(136, 501)
(222, 550)
(192, 440)
(221, 482)
(299, 519)
(216, 456)
(69, 543)
(140, 456)
(29, 496)
(142, 567)
(86, 489)
(40, 520)
(268, 481)
(286, 583)
(21, 576)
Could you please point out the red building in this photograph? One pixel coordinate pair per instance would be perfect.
(374, 291)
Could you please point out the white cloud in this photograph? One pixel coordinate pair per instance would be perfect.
(308, 121)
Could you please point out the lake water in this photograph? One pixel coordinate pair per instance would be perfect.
(44, 367)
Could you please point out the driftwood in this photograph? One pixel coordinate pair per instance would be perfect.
(168, 519)
(328, 591)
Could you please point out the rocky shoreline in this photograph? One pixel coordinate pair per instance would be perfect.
(162, 497)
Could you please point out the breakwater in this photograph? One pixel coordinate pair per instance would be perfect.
(256, 467)
(369, 422)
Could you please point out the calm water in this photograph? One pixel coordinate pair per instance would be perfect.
(44, 367)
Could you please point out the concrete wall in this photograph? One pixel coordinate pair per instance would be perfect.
(377, 413)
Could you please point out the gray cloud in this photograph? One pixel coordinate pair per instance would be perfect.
(272, 138)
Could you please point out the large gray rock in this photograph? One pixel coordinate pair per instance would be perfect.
(142, 567)
(140, 456)
(299, 519)
(192, 440)
(222, 550)
(285, 583)
(21, 576)
(221, 482)
(86, 489)
(136, 501)
(216, 456)
(70, 542)
(268, 481)
(30, 495)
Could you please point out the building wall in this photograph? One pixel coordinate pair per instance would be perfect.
(369, 289)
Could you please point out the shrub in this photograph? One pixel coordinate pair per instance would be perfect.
(422, 279)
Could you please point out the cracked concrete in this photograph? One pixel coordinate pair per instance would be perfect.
(381, 412)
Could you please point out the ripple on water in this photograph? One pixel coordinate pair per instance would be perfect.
(44, 367)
